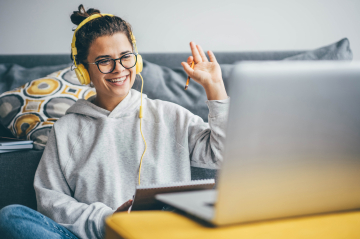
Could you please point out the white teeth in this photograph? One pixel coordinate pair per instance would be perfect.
(118, 79)
(113, 81)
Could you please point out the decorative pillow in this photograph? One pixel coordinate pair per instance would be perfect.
(30, 110)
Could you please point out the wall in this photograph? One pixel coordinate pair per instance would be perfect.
(44, 27)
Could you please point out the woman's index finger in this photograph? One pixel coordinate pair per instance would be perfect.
(195, 52)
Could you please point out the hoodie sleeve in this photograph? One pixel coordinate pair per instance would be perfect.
(54, 197)
(206, 141)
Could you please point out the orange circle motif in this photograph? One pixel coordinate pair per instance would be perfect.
(25, 123)
(43, 87)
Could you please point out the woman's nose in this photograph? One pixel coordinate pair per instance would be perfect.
(118, 66)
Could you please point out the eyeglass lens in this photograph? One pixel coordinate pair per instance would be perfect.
(108, 65)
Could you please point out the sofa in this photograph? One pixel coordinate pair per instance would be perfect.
(164, 79)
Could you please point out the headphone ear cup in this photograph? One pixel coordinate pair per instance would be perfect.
(82, 74)
(139, 64)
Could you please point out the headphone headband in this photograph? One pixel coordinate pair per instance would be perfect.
(97, 15)
(86, 20)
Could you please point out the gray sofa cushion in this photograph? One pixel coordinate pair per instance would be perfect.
(167, 84)
(337, 51)
(13, 75)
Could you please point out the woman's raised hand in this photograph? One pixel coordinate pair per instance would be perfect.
(206, 73)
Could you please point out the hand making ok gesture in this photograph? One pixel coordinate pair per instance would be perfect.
(207, 74)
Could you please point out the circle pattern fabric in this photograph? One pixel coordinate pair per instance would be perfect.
(42, 87)
(31, 110)
(10, 106)
(56, 107)
(23, 124)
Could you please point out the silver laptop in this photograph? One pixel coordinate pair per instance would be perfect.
(292, 145)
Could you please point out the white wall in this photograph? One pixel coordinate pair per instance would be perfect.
(44, 26)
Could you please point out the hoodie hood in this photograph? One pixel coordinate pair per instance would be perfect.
(129, 105)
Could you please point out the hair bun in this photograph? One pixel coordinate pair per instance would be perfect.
(78, 16)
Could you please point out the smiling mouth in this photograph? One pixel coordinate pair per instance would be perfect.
(118, 80)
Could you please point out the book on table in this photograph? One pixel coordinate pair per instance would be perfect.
(13, 144)
(144, 198)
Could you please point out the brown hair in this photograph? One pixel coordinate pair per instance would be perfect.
(102, 26)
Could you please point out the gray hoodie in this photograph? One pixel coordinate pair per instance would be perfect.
(91, 161)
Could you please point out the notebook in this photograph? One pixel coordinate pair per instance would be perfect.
(12, 144)
(144, 198)
(6, 141)
(17, 146)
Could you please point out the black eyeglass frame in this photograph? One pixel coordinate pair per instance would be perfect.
(114, 60)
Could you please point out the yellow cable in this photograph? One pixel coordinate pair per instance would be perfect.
(140, 116)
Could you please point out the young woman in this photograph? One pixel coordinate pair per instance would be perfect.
(90, 166)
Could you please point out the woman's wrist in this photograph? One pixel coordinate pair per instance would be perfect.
(216, 91)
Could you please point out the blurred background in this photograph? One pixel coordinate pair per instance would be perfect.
(44, 26)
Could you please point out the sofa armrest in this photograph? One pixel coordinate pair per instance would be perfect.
(17, 171)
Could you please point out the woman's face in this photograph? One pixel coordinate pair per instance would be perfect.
(113, 87)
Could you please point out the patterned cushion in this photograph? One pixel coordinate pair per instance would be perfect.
(31, 110)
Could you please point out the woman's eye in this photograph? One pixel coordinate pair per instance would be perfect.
(104, 62)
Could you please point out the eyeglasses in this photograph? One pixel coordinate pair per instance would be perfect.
(108, 65)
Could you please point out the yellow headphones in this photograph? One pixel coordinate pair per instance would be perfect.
(80, 70)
